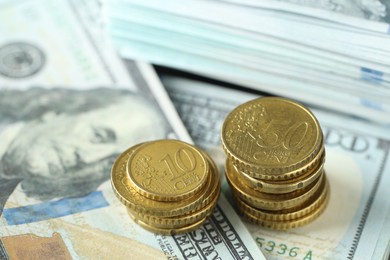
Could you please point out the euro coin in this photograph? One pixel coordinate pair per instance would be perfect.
(275, 162)
(267, 200)
(271, 136)
(168, 231)
(291, 175)
(124, 190)
(167, 170)
(306, 208)
(179, 221)
(282, 186)
(283, 225)
(168, 186)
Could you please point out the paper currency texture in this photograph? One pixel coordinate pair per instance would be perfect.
(68, 107)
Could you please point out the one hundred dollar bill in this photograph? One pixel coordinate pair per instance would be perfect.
(68, 107)
(355, 222)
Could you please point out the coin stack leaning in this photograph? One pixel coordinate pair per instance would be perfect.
(275, 157)
(168, 186)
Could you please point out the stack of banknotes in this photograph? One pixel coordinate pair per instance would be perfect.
(169, 187)
(275, 151)
(332, 54)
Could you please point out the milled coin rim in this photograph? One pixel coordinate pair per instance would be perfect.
(306, 208)
(200, 212)
(180, 221)
(297, 173)
(269, 201)
(154, 195)
(282, 186)
(247, 166)
(285, 225)
(128, 196)
(168, 231)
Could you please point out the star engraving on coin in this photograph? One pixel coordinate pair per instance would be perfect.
(167, 170)
(275, 162)
(273, 134)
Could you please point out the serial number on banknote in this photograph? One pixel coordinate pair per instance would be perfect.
(272, 247)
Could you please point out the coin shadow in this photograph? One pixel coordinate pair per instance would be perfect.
(346, 187)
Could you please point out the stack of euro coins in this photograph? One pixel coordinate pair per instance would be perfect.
(168, 187)
(275, 162)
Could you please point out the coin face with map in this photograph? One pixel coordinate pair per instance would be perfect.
(168, 170)
(20, 60)
(136, 170)
(273, 135)
(281, 140)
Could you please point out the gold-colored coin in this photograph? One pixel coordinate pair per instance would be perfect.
(168, 231)
(126, 193)
(271, 135)
(167, 170)
(179, 221)
(281, 186)
(297, 173)
(269, 201)
(283, 225)
(318, 198)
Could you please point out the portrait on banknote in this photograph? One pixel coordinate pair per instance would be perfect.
(61, 142)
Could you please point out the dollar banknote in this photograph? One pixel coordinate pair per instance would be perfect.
(68, 107)
(325, 63)
(355, 222)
